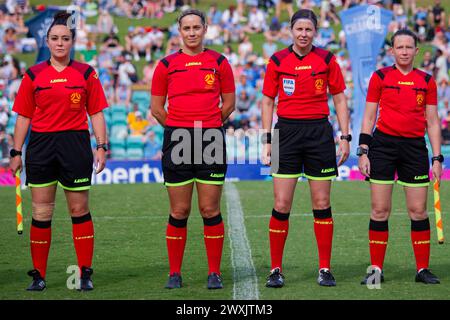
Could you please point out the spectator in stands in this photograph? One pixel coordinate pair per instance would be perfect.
(125, 72)
(213, 34)
(156, 37)
(445, 128)
(328, 12)
(152, 147)
(274, 29)
(141, 45)
(437, 13)
(139, 126)
(421, 25)
(4, 116)
(325, 35)
(173, 45)
(284, 5)
(129, 38)
(243, 102)
(256, 21)
(10, 40)
(231, 56)
(131, 117)
(245, 48)
(214, 15)
(89, 55)
(230, 17)
(112, 43)
(148, 72)
(444, 92)
(269, 48)
(441, 69)
(105, 22)
(427, 63)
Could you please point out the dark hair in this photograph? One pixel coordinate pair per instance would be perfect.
(304, 14)
(194, 12)
(61, 18)
(404, 32)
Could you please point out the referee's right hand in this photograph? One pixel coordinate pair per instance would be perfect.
(15, 164)
(266, 154)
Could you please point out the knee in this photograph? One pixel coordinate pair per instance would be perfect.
(321, 202)
(417, 213)
(180, 212)
(209, 211)
(282, 205)
(380, 213)
(78, 209)
(43, 211)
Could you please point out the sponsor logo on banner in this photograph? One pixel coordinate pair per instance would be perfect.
(289, 86)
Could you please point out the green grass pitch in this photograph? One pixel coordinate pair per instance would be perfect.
(130, 259)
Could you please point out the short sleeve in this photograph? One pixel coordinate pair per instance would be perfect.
(24, 103)
(336, 83)
(226, 78)
(96, 99)
(431, 98)
(159, 81)
(374, 90)
(270, 86)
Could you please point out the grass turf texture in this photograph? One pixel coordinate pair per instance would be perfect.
(130, 259)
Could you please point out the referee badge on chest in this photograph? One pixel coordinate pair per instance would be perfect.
(289, 86)
(420, 99)
(75, 101)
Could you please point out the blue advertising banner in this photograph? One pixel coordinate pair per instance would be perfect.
(365, 28)
(117, 172)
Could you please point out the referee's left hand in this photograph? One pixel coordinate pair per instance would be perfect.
(343, 151)
(100, 160)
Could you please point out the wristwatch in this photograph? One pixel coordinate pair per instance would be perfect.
(14, 153)
(439, 158)
(347, 137)
(104, 146)
(360, 151)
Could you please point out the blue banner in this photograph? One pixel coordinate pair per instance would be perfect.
(38, 27)
(117, 172)
(365, 30)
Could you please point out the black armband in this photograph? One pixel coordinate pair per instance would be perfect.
(365, 138)
(266, 138)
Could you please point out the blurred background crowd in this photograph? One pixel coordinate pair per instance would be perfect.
(124, 39)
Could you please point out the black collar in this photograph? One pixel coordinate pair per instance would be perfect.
(291, 49)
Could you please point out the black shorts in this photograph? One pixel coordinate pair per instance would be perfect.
(60, 157)
(408, 157)
(193, 155)
(305, 148)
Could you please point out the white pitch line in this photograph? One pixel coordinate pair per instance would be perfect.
(244, 274)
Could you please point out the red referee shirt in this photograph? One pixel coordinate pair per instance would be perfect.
(301, 83)
(58, 101)
(193, 85)
(402, 100)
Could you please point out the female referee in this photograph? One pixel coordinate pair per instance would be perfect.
(303, 143)
(407, 103)
(53, 98)
(194, 80)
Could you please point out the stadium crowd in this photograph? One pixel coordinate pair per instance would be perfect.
(133, 132)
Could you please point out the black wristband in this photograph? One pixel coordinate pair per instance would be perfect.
(266, 138)
(365, 138)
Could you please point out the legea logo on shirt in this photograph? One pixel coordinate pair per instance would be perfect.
(289, 86)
